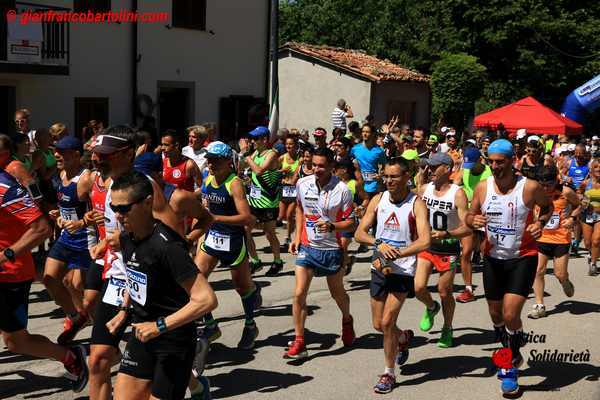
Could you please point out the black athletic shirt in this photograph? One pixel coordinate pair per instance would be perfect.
(159, 263)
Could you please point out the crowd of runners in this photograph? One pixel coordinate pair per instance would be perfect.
(135, 231)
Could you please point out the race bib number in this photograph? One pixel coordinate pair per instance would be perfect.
(255, 192)
(115, 292)
(313, 234)
(369, 176)
(218, 241)
(553, 222)
(289, 191)
(69, 214)
(137, 286)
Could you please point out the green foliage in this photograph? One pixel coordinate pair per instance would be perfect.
(529, 47)
(456, 82)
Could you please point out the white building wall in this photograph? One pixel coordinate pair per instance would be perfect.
(308, 93)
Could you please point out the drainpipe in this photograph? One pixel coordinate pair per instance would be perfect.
(268, 53)
(134, 65)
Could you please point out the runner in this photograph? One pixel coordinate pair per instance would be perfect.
(447, 205)
(290, 163)
(369, 158)
(577, 173)
(166, 293)
(70, 253)
(264, 195)
(306, 167)
(402, 232)
(504, 206)
(195, 150)
(324, 210)
(556, 238)
(178, 169)
(24, 228)
(591, 216)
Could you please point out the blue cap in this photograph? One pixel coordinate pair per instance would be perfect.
(218, 150)
(69, 143)
(470, 157)
(501, 146)
(148, 163)
(259, 131)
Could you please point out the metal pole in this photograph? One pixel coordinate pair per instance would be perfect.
(274, 40)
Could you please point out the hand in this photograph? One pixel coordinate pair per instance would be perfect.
(243, 143)
(95, 216)
(323, 226)
(535, 229)
(389, 252)
(359, 211)
(439, 234)
(567, 222)
(73, 226)
(60, 222)
(54, 214)
(294, 246)
(145, 331)
(97, 251)
(479, 221)
(118, 320)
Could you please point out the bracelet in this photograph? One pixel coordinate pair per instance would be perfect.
(161, 325)
(448, 233)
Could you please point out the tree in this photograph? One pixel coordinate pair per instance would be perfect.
(456, 82)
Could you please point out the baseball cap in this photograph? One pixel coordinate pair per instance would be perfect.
(148, 163)
(571, 147)
(521, 133)
(444, 129)
(533, 138)
(320, 132)
(439, 159)
(451, 133)
(259, 131)
(407, 138)
(595, 137)
(472, 141)
(69, 143)
(470, 157)
(410, 154)
(107, 144)
(432, 139)
(501, 146)
(218, 150)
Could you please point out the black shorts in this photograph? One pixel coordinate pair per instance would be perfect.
(554, 249)
(265, 214)
(508, 276)
(104, 313)
(93, 277)
(14, 302)
(235, 256)
(392, 283)
(169, 372)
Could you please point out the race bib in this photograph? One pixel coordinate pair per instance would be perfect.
(313, 234)
(69, 214)
(369, 176)
(115, 292)
(218, 241)
(255, 192)
(553, 222)
(289, 191)
(137, 286)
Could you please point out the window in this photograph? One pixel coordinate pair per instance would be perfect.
(91, 5)
(189, 14)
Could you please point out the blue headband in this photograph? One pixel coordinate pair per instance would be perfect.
(501, 146)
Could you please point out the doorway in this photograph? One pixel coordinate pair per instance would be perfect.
(175, 106)
(7, 96)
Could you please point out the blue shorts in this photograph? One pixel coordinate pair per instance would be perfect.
(323, 262)
(75, 259)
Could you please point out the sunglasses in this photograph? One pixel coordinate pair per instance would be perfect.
(124, 208)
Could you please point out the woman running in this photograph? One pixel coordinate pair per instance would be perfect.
(591, 217)
(290, 163)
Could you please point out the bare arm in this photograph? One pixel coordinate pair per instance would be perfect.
(244, 217)
(349, 113)
(473, 218)
(423, 231)
(362, 232)
(461, 205)
(187, 204)
(192, 169)
(202, 301)
(163, 212)
(271, 162)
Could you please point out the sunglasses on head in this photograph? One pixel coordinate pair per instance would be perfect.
(125, 208)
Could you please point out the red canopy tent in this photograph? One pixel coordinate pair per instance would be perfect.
(530, 114)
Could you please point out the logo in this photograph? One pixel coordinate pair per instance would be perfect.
(392, 223)
(176, 174)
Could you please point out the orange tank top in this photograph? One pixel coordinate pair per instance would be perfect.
(553, 232)
(176, 174)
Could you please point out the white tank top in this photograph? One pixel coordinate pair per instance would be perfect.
(396, 225)
(508, 216)
(443, 216)
(116, 267)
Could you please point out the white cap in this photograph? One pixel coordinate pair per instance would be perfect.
(444, 129)
(595, 137)
(571, 147)
(472, 141)
(587, 148)
(521, 133)
(451, 133)
(562, 149)
(533, 138)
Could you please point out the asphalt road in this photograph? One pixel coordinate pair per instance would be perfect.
(335, 372)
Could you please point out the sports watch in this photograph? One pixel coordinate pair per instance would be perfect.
(9, 254)
(377, 242)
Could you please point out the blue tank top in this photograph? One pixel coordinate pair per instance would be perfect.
(73, 209)
(220, 202)
(578, 173)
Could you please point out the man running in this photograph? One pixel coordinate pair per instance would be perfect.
(23, 228)
(167, 294)
(504, 206)
(177, 169)
(195, 150)
(369, 158)
(324, 211)
(447, 205)
(402, 232)
(556, 237)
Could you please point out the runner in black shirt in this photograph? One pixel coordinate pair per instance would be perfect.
(166, 292)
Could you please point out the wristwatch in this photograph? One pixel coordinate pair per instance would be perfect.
(9, 254)
(378, 242)
(161, 325)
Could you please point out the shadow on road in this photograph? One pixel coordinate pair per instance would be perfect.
(272, 311)
(442, 368)
(476, 337)
(242, 380)
(30, 383)
(575, 308)
(558, 375)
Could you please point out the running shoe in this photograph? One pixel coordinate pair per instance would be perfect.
(275, 269)
(211, 332)
(249, 335)
(255, 266)
(77, 369)
(446, 338)
(403, 347)
(348, 334)
(575, 248)
(386, 384)
(71, 327)
(296, 351)
(205, 394)
(592, 269)
(509, 380)
(465, 297)
(537, 311)
(202, 347)
(568, 288)
(428, 317)
(351, 261)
